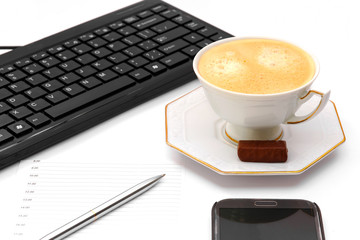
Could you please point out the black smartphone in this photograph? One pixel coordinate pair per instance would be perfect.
(266, 219)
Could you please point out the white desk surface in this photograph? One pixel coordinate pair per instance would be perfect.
(329, 27)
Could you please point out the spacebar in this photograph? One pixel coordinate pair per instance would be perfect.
(88, 97)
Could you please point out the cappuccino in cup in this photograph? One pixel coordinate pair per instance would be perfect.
(257, 66)
(257, 84)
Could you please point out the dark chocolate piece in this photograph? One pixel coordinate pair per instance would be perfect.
(262, 151)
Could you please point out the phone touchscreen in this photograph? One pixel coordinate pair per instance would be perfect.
(267, 224)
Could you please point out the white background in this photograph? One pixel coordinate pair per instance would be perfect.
(330, 28)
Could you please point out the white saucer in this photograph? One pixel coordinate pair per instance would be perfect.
(195, 130)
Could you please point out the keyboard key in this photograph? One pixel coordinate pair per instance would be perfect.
(163, 27)
(73, 90)
(33, 68)
(153, 55)
(7, 69)
(138, 61)
(131, 19)
(20, 112)
(140, 75)
(116, 25)
(85, 59)
(101, 52)
(53, 72)
(217, 37)
(170, 13)
(72, 43)
(145, 34)
(145, 14)
(131, 40)
(193, 38)
(123, 68)
(133, 51)
(173, 46)
(40, 55)
(90, 82)
(5, 120)
(38, 120)
(38, 105)
(49, 62)
(19, 128)
(4, 93)
(207, 31)
(3, 82)
(66, 55)
(16, 75)
(118, 57)
(102, 31)
(87, 37)
(36, 79)
(69, 78)
(90, 96)
(116, 46)
(23, 62)
(126, 31)
(35, 93)
(81, 49)
(147, 22)
(155, 68)
(4, 107)
(148, 44)
(56, 49)
(204, 43)
(97, 42)
(19, 87)
(17, 100)
(5, 136)
(113, 36)
(69, 65)
(106, 75)
(171, 35)
(56, 97)
(86, 71)
(174, 59)
(158, 8)
(194, 25)
(52, 85)
(181, 19)
(102, 64)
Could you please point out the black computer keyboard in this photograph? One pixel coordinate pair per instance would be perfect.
(61, 85)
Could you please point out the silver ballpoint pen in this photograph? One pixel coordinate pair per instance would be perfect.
(102, 209)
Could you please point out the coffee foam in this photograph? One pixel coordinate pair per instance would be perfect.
(256, 66)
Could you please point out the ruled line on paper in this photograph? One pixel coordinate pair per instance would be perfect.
(56, 192)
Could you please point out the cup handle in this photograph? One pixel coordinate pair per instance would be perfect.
(324, 99)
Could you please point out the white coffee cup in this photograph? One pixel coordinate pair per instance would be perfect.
(258, 116)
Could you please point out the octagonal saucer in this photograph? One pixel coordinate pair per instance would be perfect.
(193, 129)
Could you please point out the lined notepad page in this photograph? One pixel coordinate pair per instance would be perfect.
(53, 193)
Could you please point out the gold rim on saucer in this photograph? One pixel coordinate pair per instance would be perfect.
(248, 172)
